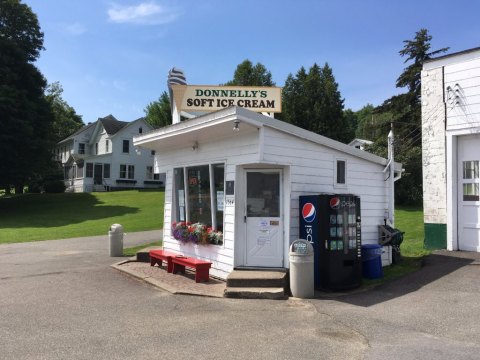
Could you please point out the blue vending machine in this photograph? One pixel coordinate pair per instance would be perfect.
(332, 224)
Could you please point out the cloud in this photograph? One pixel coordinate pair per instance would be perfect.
(146, 13)
(75, 28)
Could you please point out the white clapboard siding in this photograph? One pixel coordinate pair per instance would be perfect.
(232, 152)
(307, 167)
(463, 80)
(312, 171)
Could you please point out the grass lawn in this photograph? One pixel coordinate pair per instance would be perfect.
(133, 250)
(410, 221)
(33, 217)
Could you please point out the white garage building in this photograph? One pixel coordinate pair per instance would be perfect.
(451, 150)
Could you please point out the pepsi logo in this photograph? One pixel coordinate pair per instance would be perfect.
(335, 202)
(308, 212)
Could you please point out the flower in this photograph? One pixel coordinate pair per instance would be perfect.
(197, 233)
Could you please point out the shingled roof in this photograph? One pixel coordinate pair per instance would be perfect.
(112, 125)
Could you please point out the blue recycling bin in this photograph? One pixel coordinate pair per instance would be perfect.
(372, 261)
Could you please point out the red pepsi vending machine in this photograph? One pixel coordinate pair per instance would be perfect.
(332, 224)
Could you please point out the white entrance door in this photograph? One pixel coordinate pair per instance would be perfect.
(468, 193)
(264, 228)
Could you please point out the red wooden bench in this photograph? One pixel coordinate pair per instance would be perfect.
(158, 256)
(201, 267)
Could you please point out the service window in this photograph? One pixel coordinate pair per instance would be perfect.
(179, 194)
(199, 194)
(199, 203)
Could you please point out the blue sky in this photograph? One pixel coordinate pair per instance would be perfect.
(113, 57)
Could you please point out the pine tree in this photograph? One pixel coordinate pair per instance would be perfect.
(246, 74)
(312, 101)
(404, 111)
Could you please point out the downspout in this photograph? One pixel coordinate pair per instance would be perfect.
(391, 179)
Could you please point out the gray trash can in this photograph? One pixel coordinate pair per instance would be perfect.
(301, 269)
(115, 236)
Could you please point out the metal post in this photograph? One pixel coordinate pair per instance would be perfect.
(391, 178)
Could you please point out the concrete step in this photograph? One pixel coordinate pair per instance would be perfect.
(272, 293)
(257, 279)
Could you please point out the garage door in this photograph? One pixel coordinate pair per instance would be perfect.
(468, 193)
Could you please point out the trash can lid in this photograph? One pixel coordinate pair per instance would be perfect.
(116, 228)
(301, 247)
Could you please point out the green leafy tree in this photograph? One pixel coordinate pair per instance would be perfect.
(351, 120)
(247, 74)
(25, 119)
(25, 116)
(404, 112)
(19, 25)
(65, 119)
(159, 113)
(370, 124)
(312, 101)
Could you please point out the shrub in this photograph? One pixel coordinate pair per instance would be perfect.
(54, 186)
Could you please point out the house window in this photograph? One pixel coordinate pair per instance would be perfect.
(107, 145)
(127, 171)
(203, 199)
(106, 171)
(126, 146)
(89, 170)
(149, 174)
(96, 148)
(340, 173)
(152, 152)
(80, 170)
(140, 130)
(123, 171)
(156, 176)
(81, 148)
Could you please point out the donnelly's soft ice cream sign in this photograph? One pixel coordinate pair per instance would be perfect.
(212, 98)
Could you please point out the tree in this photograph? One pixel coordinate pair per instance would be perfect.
(370, 124)
(351, 119)
(25, 119)
(418, 51)
(404, 112)
(312, 101)
(65, 119)
(25, 116)
(159, 113)
(19, 25)
(248, 75)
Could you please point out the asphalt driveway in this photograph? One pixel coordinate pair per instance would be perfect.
(61, 299)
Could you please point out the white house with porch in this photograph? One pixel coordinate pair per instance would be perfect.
(101, 157)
